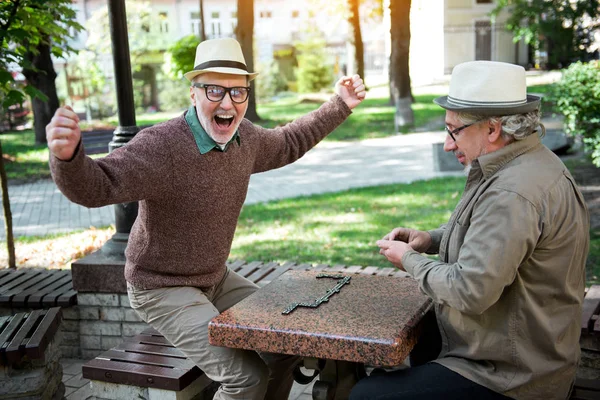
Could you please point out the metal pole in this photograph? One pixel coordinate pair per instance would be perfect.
(126, 213)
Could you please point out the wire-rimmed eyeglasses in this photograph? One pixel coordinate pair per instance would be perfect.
(457, 130)
(238, 94)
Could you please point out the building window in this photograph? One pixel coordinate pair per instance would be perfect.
(266, 14)
(295, 14)
(214, 15)
(195, 20)
(484, 1)
(163, 18)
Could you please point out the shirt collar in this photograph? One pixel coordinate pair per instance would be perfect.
(492, 162)
(204, 142)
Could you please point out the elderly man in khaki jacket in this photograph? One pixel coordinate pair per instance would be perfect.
(509, 283)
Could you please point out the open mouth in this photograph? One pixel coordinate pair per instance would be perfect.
(224, 121)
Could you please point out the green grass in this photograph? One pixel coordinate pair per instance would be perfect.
(341, 228)
(23, 159)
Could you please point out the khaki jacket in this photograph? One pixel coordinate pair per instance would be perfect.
(509, 284)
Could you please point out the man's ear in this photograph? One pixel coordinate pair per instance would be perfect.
(192, 95)
(495, 131)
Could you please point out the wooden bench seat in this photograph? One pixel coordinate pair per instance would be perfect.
(36, 288)
(27, 334)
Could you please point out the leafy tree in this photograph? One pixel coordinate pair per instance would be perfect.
(313, 73)
(30, 32)
(181, 56)
(244, 32)
(564, 29)
(400, 89)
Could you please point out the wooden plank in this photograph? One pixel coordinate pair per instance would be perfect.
(20, 300)
(44, 333)
(9, 331)
(274, 274)
(260, 273)
(249, 268)
(35, 300)
(4, 321)
(154, 340)
(590, 384)
(4, 272)
(385, 271)
(150, 349)
(28, 275)
(5, 280)
(16, 348)
(68, 298)
(51, 299)
(5, 297)
(370, 270)
(236, 265)
(147, 359)
(591, 306)
(139, 374)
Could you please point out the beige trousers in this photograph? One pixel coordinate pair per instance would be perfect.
(182, 314)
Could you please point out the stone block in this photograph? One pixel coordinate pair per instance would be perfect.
(70, 351)
(114, 391)
(100, 328)
(125, 301)
(69, 326)
(132, 329)
(98, 299)
(70, 313)
(99, 272)
(88, 354)
(111, 314)
(91, 342)
(444, 161)
(89, 313)
(130, 315)
(108, 342)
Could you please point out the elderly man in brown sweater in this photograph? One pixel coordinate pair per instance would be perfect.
(190, 176)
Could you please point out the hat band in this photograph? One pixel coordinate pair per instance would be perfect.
(472, 103)
(221, 64)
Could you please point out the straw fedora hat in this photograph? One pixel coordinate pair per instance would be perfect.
(488, 88)
(220, 55)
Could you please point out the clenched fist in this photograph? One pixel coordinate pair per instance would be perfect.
(63, 133)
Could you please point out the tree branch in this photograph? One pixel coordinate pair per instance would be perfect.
(4, 27)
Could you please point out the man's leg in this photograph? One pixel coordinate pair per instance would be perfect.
(430, 381)
(234, 289)
(182, 314)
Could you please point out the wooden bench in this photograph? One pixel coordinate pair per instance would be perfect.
(31, 368)
(148, 363)
(96, 141)
(36, 288)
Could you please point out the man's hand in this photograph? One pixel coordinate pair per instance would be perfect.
(420, 241)
(351, 90)
(393, 250)
(63, 133)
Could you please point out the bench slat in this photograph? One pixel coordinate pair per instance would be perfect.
(35, 300)
(6, 279)
(51, 299)
(139, 375)
(23, 279)
(44, 333)
(260, 273)
(235, 265)
(21, 299)
(248, 269)
(5, 297)
(148, 359)
(154, 340)
(150, 349)
(8, 332)
(16, 347)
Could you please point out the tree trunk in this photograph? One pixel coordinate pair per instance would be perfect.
(44, 80)
(400, 91)
(356, 38)
(10, 241)
(202, 29)
(244, 33)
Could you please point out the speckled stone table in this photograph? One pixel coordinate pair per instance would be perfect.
(371, 320)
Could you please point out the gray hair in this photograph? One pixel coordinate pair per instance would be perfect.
(514, 127)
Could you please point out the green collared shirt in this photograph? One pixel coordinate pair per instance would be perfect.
(204, 142)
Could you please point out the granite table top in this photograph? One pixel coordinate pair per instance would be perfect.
(371, 319)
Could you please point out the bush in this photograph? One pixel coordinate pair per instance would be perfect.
(577, 97)
(313, 73)
(270, 81)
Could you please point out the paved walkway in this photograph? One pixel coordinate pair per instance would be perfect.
(40, 209)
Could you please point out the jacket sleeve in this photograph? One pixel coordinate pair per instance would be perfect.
(283, 145)
(139, 170)
(502, 233)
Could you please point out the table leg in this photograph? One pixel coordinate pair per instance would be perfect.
(336, 379)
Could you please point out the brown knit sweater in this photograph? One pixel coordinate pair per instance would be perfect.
(189, 203)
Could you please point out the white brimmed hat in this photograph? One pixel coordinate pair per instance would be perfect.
(488, 88)
(220, 55)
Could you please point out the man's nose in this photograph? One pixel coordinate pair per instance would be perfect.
(449, 144)
(226, 103)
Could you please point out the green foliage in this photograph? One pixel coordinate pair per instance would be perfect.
(270, 81)
(313, 72)
(26, 24)
(180, 58)
(577, 97)
(561, 28)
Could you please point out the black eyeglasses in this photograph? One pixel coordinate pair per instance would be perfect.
(238, 94)
(457, 130)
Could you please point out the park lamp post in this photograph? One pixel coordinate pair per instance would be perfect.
(103, 270)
